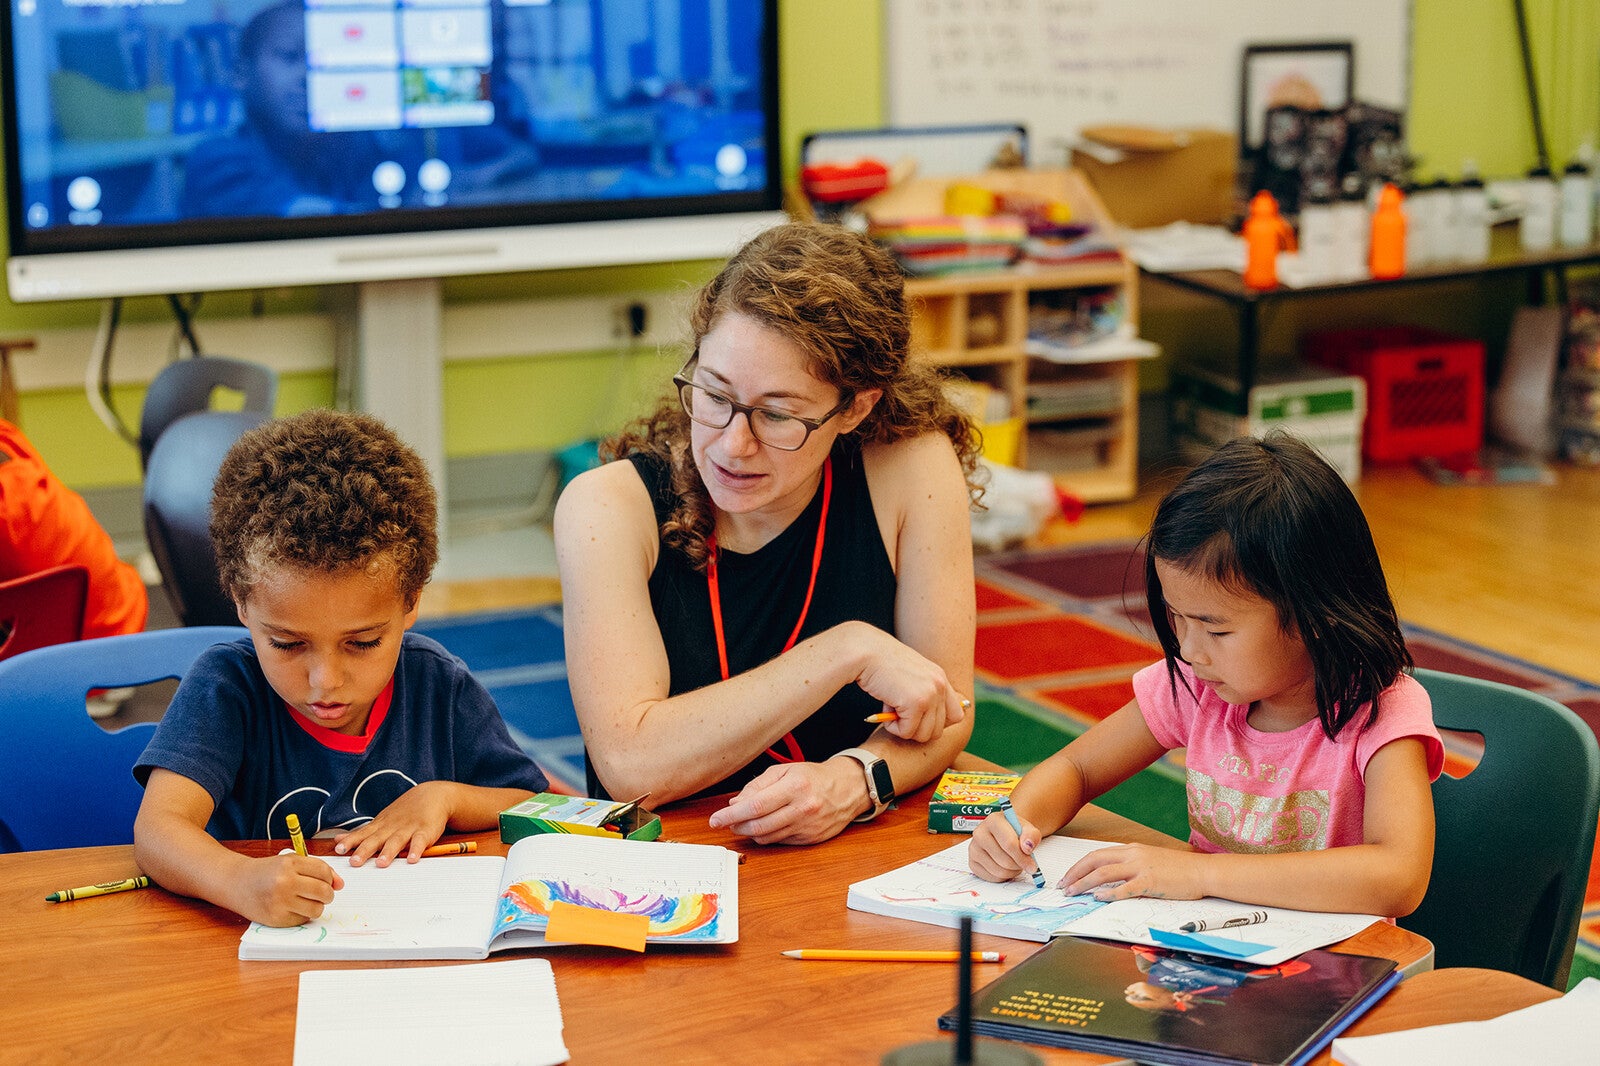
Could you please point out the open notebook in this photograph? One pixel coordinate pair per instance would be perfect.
(941, 888)
(464, 907)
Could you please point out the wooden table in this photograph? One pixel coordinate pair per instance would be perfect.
(151, 977)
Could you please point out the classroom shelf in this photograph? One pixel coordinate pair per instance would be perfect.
(977, 323)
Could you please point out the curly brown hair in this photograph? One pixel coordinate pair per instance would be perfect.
(326, 491)
(841, 299)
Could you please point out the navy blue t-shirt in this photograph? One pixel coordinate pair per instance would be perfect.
(230, 733)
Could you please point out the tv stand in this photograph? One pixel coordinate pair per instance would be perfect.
(390, 364)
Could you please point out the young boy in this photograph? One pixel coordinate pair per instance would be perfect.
(324, 531)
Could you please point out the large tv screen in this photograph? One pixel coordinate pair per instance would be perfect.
(180, 145)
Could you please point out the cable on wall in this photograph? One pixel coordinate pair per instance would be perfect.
(97, 374)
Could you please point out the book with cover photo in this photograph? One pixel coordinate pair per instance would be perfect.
(1161, 1006)
(549, 889)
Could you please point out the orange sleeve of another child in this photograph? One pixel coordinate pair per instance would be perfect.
(43, 524)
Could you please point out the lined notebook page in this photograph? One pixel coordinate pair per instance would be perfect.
(443, 906)
(479, 1014)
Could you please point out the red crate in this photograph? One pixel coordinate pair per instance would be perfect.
(1425, 389)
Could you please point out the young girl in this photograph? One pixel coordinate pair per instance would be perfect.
(1309, 750)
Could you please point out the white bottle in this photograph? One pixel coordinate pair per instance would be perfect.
(1445, 242)
(1472, 219)
(1577, 206)
(1317, 237)
(1418, 208)
(1351, 231)
(1538, 211)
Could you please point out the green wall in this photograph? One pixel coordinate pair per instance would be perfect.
(1467, 102)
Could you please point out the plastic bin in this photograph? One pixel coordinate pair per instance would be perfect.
(1321, 409)
(1425, 389)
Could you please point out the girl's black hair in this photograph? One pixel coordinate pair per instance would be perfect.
(1270, 516)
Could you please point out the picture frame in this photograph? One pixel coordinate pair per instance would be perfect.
(1317, 75)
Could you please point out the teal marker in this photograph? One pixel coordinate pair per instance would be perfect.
(1011, 816)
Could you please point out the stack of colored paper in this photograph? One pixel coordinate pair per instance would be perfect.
(941, 244)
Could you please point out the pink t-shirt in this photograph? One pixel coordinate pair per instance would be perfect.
(1257, 793)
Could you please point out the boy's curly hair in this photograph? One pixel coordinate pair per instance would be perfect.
(326, 491)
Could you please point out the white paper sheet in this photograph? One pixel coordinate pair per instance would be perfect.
(1558, 1033)
(479, 1014)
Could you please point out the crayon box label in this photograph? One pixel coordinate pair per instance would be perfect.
(964, 798)
(580, 815)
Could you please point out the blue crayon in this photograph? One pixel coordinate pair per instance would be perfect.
(1011, 816)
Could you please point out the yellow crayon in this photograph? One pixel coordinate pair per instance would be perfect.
(464, 847)
(295, 836)
(127, 884)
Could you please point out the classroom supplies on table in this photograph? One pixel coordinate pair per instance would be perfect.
(548, 812)
(964, 798)
(940, 888)
(550, 889)
(1161, 1006)
(1557, 1033)
(500, 1013)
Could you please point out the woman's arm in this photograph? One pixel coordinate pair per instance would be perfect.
(643, 741)
(924, 509)
(1386, 874)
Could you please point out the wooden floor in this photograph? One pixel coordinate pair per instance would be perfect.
(1515, 568)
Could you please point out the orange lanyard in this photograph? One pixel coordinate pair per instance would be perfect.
(791, 745)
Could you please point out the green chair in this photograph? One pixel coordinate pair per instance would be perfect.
(1515, 836)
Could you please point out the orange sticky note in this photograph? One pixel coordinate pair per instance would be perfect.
(572, 924)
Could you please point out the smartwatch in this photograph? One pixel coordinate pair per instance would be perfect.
(880, 786)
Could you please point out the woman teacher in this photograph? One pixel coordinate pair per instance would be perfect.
(784, 552)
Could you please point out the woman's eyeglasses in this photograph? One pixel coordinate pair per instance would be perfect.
(776, 429)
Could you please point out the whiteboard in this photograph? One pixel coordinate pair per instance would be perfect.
(1057, 66)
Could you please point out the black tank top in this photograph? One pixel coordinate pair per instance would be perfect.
(762, 594)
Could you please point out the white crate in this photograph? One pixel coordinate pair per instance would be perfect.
(1326, 411)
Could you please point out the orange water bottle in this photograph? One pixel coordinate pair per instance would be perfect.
(1388, 256)
(1264, 233)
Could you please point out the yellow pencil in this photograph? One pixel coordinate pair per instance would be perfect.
(464, 847)
(882, 716)
(105, 888)
(844, 955)
(295, 836)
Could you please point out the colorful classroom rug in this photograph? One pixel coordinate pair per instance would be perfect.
(1060, 633)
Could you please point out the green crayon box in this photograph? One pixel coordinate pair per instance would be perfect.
(964, 798)
(550, 813)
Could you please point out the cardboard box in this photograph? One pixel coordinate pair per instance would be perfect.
(1150, 177)
(550, 813)
(963, 798)
(1324, 410)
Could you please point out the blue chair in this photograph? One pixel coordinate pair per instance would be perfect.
(1515, 836)
(177, 511)
(64, 781)
(187, 386)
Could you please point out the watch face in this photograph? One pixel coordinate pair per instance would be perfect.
(882, 783)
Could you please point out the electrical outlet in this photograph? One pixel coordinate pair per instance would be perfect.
(629, 320)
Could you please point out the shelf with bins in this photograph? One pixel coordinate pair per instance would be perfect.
(976, 324)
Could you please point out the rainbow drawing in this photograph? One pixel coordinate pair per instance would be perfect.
(690, 916)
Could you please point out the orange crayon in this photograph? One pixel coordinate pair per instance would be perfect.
(464, 847)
